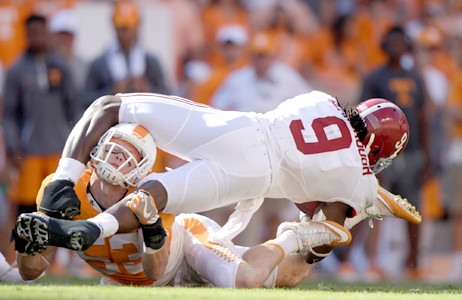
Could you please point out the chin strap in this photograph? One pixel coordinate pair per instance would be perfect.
(371, 140)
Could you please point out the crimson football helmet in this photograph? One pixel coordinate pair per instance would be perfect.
(387, 131)
(138, 137)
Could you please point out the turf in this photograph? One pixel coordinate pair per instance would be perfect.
(69, 288)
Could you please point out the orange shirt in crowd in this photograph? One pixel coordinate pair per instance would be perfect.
(213, 18)
(455, 100)
(13, 14)
(203, 92)
(12, 33)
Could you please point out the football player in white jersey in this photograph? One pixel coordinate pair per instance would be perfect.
(121, 158)
(309, 149)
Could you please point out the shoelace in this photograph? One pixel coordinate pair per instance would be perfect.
(371, 219)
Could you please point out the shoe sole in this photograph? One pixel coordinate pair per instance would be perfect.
(34, 229)
(24, 230)
(399, 207)
(31, 230)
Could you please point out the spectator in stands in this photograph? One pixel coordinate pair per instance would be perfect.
(220, 13)
(12, 38)
(63, 28)
(125, 66)
(263, 84)
(453, 175)
(399, 82)
(233, 41)
(38, 114)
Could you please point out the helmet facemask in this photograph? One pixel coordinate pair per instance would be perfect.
(382, 163)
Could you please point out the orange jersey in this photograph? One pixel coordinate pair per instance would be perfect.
(119, 256)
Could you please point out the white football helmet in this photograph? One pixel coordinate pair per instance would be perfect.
(139, 138)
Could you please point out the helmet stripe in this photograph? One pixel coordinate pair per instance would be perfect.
(140, 131)
(376, 107)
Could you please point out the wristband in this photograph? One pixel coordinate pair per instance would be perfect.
(68, 169)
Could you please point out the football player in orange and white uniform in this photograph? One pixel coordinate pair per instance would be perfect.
(121, 158)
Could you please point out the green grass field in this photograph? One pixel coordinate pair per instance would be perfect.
(67, 288)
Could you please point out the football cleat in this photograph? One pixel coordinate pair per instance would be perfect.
(43, 230)
(21, 244)
(315, 234)
(392, 205)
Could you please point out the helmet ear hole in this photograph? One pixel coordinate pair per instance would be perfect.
(374, 153)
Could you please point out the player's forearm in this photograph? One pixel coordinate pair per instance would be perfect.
(32, 266)
(154, 264)
(97, 119)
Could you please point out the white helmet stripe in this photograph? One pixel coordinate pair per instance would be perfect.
(376, 108)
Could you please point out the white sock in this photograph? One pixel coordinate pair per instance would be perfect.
(4, 265)
(107, 223)
(287, 242)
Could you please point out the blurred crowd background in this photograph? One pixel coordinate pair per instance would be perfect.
(58, 56)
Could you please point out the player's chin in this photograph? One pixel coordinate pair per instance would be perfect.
(313, 258)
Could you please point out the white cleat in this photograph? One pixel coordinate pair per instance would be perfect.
(315, 234)
(392, 205)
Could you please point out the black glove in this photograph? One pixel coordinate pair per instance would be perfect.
(23, 246)
(60, 200)
(154, 235)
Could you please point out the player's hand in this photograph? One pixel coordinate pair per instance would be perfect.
(143, 206)
(60, 200)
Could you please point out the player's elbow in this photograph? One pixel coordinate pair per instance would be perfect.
(107, 106)
(154, 273)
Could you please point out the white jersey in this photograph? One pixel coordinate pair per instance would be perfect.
(304, 150)
(316, 155)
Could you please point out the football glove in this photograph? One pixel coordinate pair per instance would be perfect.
(60, 200)
(143, 206)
